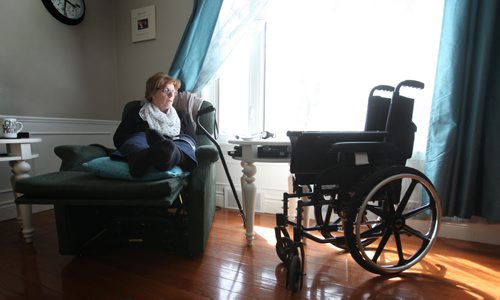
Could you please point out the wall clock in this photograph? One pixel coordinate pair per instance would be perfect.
(69, 12)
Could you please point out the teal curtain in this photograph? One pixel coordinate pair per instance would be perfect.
(213, 31)
(463, 154)
(194, 44)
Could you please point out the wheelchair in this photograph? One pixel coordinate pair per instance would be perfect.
(365, 200)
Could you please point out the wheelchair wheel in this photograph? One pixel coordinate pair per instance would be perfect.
(403, 210)
(323, 215)
(294, 273)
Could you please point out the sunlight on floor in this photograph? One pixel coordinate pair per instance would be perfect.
(463, 273)
(266, 233)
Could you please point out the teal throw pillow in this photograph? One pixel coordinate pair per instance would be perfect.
(108, 168)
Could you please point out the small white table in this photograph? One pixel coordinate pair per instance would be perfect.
(18, 152)
(248, 189)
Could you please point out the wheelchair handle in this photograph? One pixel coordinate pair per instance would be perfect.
(410, 83)
(386, 88)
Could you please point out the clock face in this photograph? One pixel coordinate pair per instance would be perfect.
(67, 11)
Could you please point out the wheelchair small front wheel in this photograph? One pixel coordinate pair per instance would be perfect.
(285, 249)
(402, 209)
(294, 273)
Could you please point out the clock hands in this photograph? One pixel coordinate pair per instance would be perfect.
(71, 11)
(70, 3)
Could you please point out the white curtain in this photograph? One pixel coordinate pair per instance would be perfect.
(234, 18)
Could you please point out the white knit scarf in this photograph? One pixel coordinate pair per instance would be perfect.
(167, 123)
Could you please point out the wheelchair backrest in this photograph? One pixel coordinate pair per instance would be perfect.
(378, 108)
(400, 127)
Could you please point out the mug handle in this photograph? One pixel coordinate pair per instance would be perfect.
(20, 125)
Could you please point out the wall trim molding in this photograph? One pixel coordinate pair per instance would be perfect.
(61, 120)
(71, 133)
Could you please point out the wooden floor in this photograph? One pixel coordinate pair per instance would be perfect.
(229, 269)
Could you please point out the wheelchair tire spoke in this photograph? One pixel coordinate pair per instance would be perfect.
(390, 201)
(382, 244)
(416, 233)
(406, 198)
(376, 210)
(416, 211)
(328, 215)
(373, 232)
(399, 247)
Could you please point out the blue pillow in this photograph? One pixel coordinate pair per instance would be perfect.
(108, 168)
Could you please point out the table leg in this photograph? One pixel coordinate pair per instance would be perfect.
(21, 169)
(249, 193)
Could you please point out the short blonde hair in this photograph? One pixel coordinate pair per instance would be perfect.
(159, 81)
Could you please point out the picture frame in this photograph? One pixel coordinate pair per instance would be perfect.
(143, 24)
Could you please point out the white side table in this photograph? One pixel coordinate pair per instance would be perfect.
(18, 152)
(248, 189)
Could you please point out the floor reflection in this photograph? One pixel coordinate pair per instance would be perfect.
(335, 273)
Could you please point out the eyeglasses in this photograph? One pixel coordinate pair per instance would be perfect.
(169, 91)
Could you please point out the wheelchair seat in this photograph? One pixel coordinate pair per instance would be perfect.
(387, 214)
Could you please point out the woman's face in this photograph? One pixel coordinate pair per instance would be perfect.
(164, 98)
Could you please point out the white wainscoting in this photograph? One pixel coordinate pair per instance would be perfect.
(271, 182)
(53, 132)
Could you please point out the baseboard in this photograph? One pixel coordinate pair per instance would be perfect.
(473, 232)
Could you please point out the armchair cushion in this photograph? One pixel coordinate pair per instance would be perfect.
(108, 168)
(71, 186)
(73, 156)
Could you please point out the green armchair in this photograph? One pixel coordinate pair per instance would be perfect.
(88, 207)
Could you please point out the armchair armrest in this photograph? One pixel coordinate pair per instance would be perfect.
(207, 152)
(73, 156)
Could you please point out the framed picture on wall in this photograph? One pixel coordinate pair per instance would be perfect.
(143, 23)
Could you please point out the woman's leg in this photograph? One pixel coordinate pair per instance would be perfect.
(137, 153)
(164, 150)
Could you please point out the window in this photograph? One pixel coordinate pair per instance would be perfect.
(311, 65)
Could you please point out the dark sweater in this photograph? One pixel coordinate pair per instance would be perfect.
(132, 123)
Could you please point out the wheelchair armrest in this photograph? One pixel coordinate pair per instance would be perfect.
(369, 147)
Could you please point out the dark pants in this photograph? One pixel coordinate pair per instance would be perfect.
(138, 142)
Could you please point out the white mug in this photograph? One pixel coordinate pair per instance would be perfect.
(10, 127)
